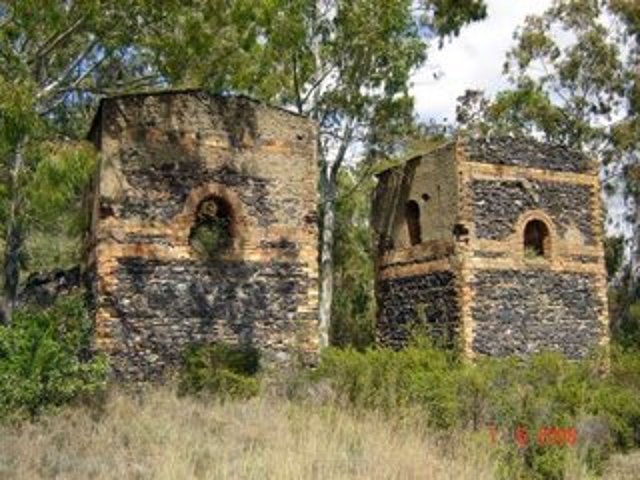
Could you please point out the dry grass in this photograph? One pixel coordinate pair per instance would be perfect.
(159, 436)
(624, 467)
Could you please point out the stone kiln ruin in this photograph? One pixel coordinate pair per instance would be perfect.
(203, 228)
(495, 245)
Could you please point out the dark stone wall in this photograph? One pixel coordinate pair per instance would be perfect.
(168, 185)
(165, 306)
(526, 152)
(497, 204)
(425, 300)
(520, 312)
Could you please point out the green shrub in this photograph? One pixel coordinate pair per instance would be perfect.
(388, 380)
(222, 370)
(45, 359)
(211, 239)
(516, 397)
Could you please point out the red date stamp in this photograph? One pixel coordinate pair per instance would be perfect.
(545, 436)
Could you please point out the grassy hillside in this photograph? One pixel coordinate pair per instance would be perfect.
(160, 436)
(157, 435)
(417, 413)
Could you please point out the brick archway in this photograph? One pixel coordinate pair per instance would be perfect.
(185, 219)
(536, 230)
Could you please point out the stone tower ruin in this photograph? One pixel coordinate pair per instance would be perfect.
(203, 229)
(493, 245)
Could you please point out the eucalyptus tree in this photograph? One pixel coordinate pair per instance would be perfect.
(55, 56)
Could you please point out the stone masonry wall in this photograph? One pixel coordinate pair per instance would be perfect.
(430, 182)
(522, 312)
(163, 155)
(498, 205)
(526, 152)
(427, 300)
(520, 305)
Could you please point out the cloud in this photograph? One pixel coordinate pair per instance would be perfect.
(472, 60)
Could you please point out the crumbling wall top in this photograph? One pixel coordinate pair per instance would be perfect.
(526, 152)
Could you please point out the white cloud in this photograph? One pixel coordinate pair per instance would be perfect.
(472, 60)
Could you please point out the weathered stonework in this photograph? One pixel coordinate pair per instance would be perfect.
(162, 156)
(480, 202)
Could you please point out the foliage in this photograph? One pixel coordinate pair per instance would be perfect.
(624, 308)
(353, 307)
(223, 370)
(212, 238)
(46, 361)
(533, 254)
(613, 254)
(504, 396)
(390, 381)
(54, 58)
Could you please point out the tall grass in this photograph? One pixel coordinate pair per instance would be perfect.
(158, 435)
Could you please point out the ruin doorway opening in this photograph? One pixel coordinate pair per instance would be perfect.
(412, 214)
(536, 239)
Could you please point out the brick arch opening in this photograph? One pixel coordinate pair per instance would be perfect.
(213, 230)
(412, 216)
(537, 239)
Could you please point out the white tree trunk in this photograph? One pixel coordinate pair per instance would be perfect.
(326, 256)
(14, 239)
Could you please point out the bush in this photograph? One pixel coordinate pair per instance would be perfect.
(516, 399)
(46, 361)
(390, 381)
(227, 371)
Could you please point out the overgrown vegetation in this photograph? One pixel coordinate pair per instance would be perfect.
(46, 361)
(353, 308)
(158, 435)
(211, 234)
(512, 399)
(221, 370)
(542, 417)
(496, 410)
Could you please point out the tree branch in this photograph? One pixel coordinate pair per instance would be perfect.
(56, 39)
(296, 84)
(65, 74)
(317, 84)
(342, 151)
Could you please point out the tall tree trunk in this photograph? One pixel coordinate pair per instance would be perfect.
(329, 192)
(14, 238)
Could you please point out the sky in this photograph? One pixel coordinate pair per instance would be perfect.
(472, 60)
